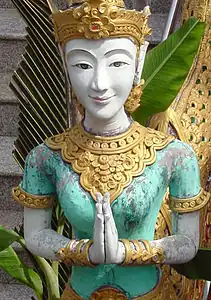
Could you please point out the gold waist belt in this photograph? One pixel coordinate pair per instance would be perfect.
(160, 292)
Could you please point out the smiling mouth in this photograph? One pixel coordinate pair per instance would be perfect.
(101, 99)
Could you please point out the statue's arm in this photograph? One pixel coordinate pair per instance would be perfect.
(186, 200)
(36, 193)
(40, 239)
(183, 245)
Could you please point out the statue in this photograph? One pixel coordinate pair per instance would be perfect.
(109, 173)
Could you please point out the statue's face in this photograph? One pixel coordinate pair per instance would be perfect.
(101, 73)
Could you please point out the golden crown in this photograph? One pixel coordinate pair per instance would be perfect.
(96, 19)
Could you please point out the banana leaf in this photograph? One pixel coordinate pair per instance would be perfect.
(7, 237)
(166, 68)
(11, 263)
(198, 268)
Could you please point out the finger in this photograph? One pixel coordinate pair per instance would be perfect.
(106, 198)
(99, 197)
(107, 211)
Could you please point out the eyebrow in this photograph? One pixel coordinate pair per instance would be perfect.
(119, 50)
(81, 50)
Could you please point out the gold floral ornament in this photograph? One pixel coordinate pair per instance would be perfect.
(95, 19)
(108, 293)
(138, 255)
(108, 164)
(186, 205)
(31, 201)
(76, 256)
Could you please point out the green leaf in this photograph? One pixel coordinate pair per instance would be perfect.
(10, 263)
(197, 268)
(7, 237)
(166, 68)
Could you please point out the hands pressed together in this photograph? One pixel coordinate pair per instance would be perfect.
(106, 248)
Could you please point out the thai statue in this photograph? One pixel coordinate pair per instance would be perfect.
(110, 174)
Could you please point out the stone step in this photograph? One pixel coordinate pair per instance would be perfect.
(12, 39)
(10, 175)
(9, 108)
(6, 4)
(15, 291)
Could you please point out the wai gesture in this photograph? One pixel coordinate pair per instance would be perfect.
(106, 248)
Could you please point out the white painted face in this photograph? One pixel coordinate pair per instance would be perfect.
(101, 73)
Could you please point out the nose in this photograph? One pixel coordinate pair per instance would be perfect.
(100, 80)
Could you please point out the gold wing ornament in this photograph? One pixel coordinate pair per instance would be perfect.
(188, 118)
(39, 81)
(40, 86)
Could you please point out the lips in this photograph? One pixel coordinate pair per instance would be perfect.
(101, 99)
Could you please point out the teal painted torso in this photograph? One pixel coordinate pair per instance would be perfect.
(135, 210)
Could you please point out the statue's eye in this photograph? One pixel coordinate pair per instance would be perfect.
(118, 64)
(83, 66)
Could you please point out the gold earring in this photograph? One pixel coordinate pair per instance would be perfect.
(79, 106)
(134, 99)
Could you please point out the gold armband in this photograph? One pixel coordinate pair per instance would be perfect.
(31, 201)
(76, 256)
(185, 205)
(137, 255)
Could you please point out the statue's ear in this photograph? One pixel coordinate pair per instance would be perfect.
(140, 63)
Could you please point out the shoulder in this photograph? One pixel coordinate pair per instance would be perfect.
(39, 156)
(180, 150)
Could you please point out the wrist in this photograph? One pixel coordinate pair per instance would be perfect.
(121, 253)
(76, 253)
(140, 252)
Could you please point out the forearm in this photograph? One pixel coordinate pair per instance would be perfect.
(41, 240)
(45, 243)
(177, 249)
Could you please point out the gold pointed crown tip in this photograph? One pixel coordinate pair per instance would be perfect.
(114, 2)
(147, 11)
(96, 19)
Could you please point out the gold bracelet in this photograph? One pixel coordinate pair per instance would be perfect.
(135, 255)
(152, 255)
(76, 256)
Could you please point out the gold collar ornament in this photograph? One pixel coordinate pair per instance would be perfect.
(96, 19)
(108, 164)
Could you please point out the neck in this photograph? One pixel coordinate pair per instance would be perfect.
(114, 126)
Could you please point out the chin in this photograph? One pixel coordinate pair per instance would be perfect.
(104, 114)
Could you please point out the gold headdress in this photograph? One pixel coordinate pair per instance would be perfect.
(95, 19)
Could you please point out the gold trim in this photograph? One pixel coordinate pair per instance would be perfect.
(108, 164)
(185, 205)
(96, 19)
(31, 201)
(136, 255)
(76, 256)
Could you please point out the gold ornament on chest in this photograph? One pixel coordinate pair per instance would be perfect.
(108, 164)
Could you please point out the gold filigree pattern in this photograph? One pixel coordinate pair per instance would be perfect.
(119, 3)
(189, 115)
(108, 164)
(189, 204)
(31, 201)
(76, 256)
(96, 19)
(108, 293)
(134, 99)
(138, 255)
